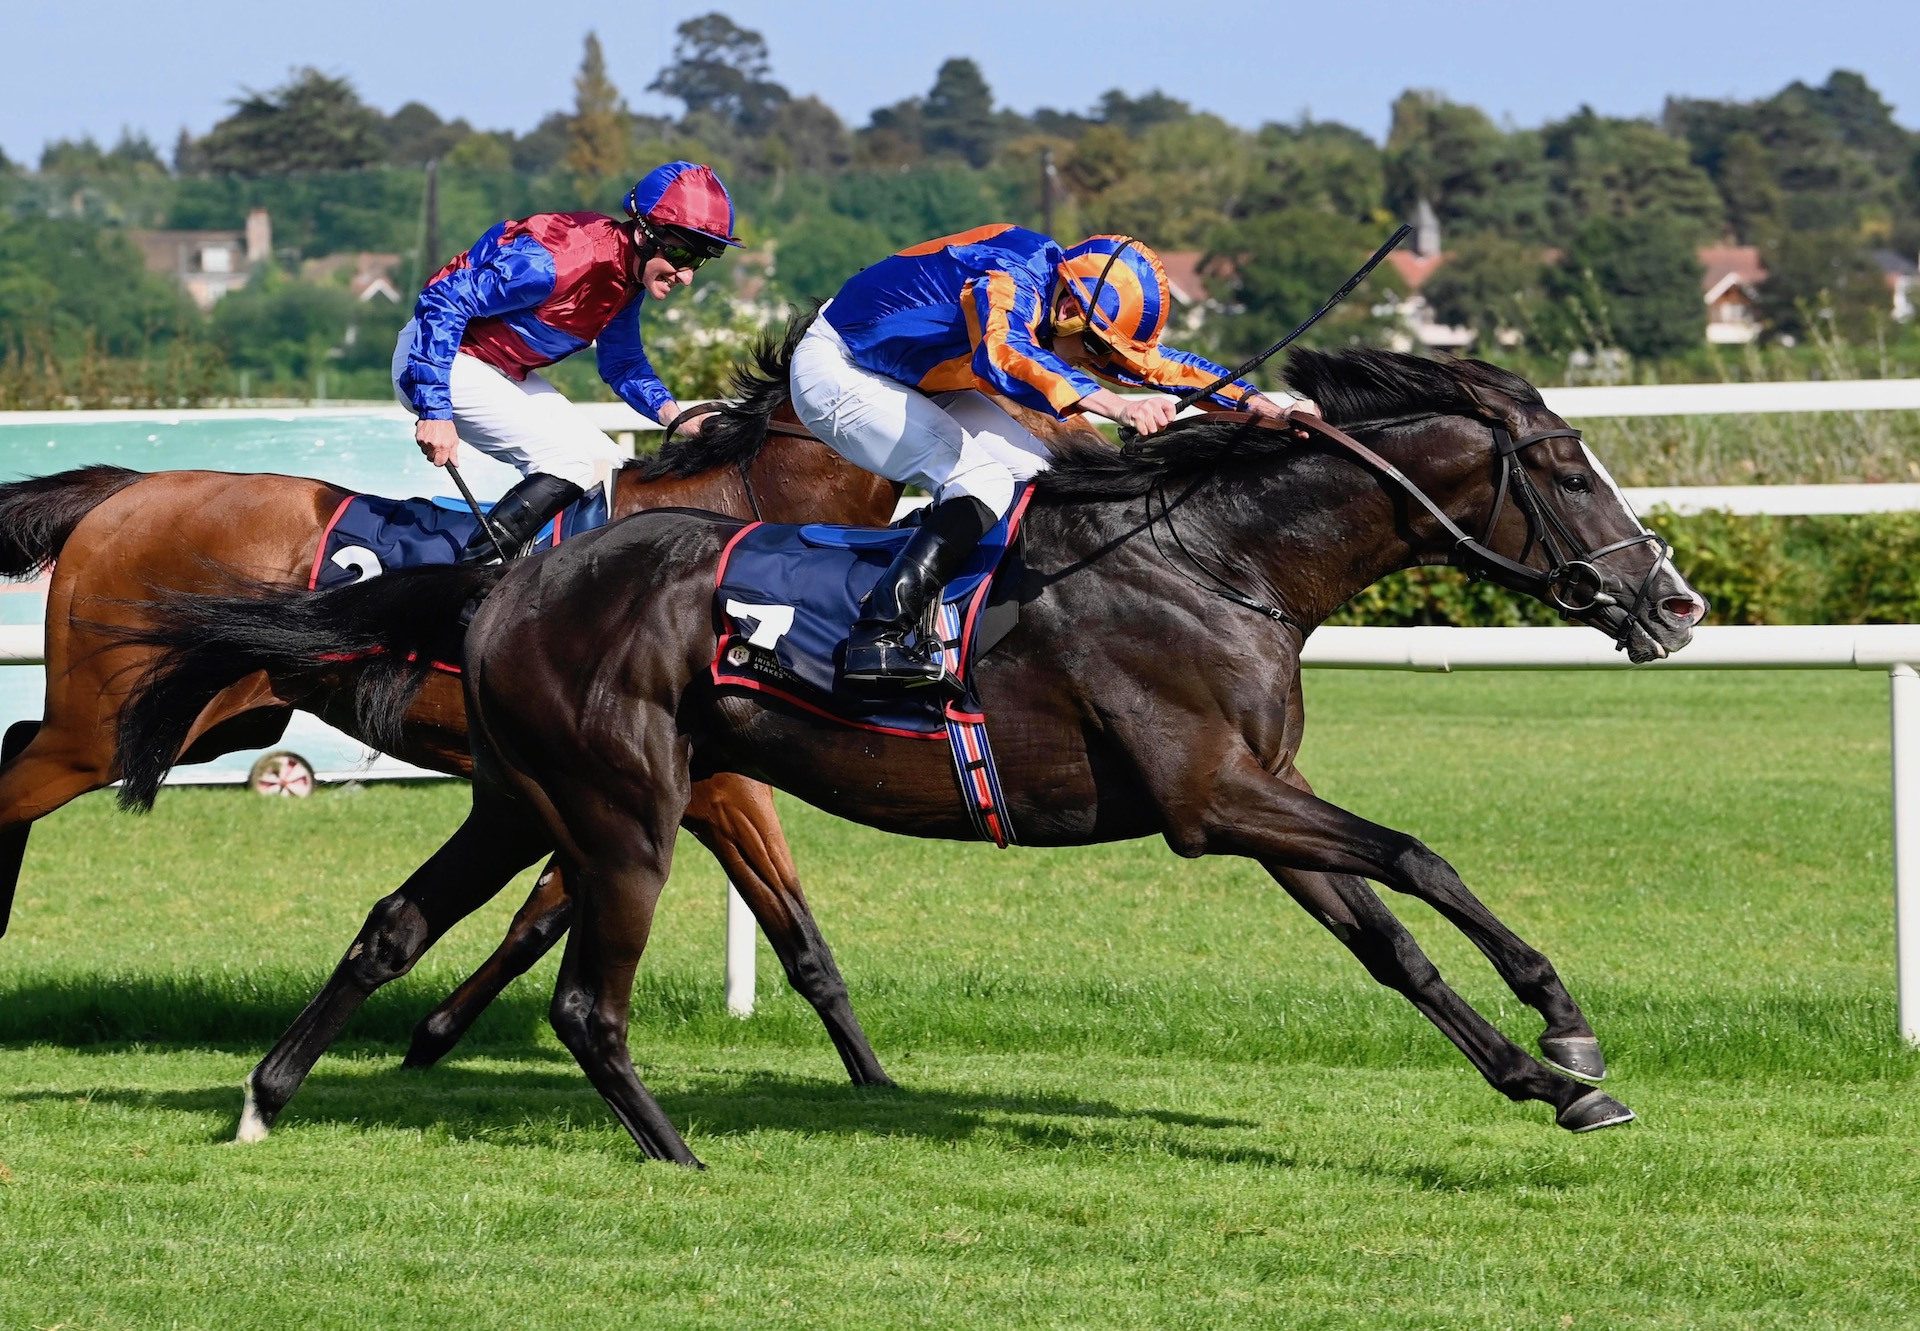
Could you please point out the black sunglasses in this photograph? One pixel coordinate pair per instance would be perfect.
(681, 250)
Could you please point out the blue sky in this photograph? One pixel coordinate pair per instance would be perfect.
(76, 68)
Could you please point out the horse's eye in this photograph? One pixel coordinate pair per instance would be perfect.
(1579, 483)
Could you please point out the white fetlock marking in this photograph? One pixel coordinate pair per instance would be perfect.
(253, 1128)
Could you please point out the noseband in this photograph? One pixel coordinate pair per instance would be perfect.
(1573, 582)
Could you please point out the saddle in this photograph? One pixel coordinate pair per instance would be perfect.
(371, 534)
(786, 597)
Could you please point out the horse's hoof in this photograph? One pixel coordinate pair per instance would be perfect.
(1576, 1055)
(428, 1046)
(1592, 1111)
(253, 1124)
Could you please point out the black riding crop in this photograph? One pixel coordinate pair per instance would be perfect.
(478, 513)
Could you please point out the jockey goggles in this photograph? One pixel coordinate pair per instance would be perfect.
(682, 249)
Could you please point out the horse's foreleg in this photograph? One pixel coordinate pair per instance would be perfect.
(1314, 848)
(1568, 1041)
(735, 819)
(491, 847)
(40, 770)
(536, 927)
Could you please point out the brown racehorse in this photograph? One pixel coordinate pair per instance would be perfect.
(594, 712)
(122, 538)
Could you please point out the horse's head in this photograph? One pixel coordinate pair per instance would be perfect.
(1552, 509)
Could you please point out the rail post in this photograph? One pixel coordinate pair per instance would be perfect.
(1905, 687)
(741, 932)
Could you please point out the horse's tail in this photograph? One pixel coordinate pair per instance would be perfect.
(37, 515)
(390, 630)
(758, 387)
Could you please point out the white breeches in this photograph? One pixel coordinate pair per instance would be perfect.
(951, 443)
(528, 425)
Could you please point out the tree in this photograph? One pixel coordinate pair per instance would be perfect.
(720, 69)
(542, 150)
(1136, 115)
(893, 135)
(1316, 164)
(1488, 284)
(957, 117)
(1102, 158)
(481, 152)
(416, 135)
(1604, 167)
(1823, 281)
(73, 284)
(1633, 284)
(1282, 266)
(282, 327)
(310, 123)
(811, 136)
(1756, 205)
(821, 251)
(598, 137)
(1477, 177)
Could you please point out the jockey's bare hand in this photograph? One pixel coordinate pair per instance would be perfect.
(437, 441)
(1144, 415)
(1261, 406)
(689, 424)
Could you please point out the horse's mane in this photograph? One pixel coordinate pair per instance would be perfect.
(1352, 385)
(758, 387)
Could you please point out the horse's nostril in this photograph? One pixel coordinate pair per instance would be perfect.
(1686, 609)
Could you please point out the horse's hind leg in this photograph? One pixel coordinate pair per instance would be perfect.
(40, 770)
(735, 819)
(538, 924)
(618, 854)
(491, 846)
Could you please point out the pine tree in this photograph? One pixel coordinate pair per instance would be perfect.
(598, 137)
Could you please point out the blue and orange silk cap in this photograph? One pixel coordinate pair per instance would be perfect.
(1121, 285)
(686, 195)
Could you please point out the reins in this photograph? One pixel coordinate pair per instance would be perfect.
(774, 429)
(1572, 583)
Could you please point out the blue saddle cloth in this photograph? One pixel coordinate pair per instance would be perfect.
(371, 534)
(787, 596)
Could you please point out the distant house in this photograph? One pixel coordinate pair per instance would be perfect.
(1192, 299)
(1730, 285)
(1903, 281)
(367, 274)
(208, 264)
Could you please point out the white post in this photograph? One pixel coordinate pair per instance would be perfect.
(742, 932)
(1906, 846)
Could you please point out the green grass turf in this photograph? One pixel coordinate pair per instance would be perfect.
(1135, 1090)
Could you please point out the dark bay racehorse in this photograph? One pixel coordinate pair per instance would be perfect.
(121, 537)
(593, 713)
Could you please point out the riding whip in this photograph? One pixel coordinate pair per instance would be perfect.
(1191, 396)
(474, 504)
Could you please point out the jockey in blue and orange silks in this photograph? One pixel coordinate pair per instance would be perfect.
(534, 291)
(894, 375)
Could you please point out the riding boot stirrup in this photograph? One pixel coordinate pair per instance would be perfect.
(518, 516)
(893, 643)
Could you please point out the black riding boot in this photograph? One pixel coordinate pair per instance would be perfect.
(892, 641)
(518, 516)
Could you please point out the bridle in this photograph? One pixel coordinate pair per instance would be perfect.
(1572, 583)
(774, 429)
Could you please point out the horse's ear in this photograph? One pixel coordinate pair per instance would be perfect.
(1493, 407)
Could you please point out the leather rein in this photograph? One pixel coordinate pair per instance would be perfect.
(1572, 582)
(775, 430)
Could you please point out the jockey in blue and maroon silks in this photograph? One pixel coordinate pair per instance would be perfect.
(534, 291)
(894, 376)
